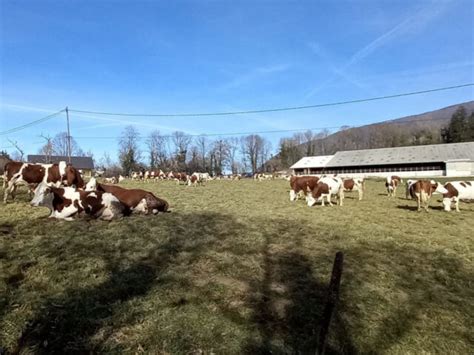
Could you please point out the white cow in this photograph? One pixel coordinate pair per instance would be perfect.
(66, 202)
(457, 190)
(325, 188)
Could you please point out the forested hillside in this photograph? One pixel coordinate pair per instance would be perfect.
(425, 128)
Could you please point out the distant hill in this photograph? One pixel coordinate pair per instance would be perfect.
(418, 129)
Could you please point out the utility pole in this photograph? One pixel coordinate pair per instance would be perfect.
(68, 137)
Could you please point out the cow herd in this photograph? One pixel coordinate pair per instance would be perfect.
(314, 189)
(61, 189)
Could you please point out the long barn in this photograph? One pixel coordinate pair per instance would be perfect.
(454, 159)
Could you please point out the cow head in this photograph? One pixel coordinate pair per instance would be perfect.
(438, 188)
(43, 196)
(155, 204)
(91, 185)
(292, 195)
(73, 177)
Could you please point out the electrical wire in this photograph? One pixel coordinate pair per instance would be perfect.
(293, 108)
(32, 123)
(392, 122)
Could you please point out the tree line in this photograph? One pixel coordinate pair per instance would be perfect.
(182, 152)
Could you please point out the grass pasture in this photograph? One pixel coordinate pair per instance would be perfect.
(237, 268)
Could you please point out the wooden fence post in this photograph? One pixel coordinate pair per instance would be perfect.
(333, 296)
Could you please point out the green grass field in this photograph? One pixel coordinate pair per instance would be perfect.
(237, 268)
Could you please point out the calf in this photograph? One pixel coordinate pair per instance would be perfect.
(326, 187)
(457, 190)
(354, 185)
(301, 184)
(422, 190)
(391, 184)
(18, 173)
(66, 202)
(134, 200)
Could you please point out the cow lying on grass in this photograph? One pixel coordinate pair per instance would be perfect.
(67, 202)
(134, 200)
(325, 188)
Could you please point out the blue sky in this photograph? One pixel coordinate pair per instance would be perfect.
(207, 56)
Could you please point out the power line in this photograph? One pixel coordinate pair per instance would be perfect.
(278, 131)
(32, 123)
(293, 108)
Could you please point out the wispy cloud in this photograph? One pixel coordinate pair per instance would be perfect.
(254, 74)
(413, 23)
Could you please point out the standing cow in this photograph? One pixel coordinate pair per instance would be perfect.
(422, 190)
(299, 185)
(455, 191)
(391, 184)
(355, 185)
(18, 173)
(325, 188)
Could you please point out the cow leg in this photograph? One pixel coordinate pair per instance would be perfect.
(457, 204)
(418, 201)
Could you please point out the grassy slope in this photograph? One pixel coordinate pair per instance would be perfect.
(238, 268)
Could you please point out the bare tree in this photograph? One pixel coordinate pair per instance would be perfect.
(181, 143)
(221, 154)
(60, 145)
(252, 150)
(202, 144)
(47, 149)
(20, 152)
(157, 145)
(233, 144)
(129, 151)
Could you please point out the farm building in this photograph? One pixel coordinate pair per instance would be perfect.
(454, 159)
(84, 164)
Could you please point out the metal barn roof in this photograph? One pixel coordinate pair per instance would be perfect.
(77, 162)
(404, 155)
(312, 162)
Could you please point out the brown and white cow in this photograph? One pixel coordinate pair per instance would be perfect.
(67, 202)
(325, 188)
(457, 190)
(181, 178)
(391, 183)
(421, 191)
(134, 200)
(18, 173)
(355, 185)
(301, 184)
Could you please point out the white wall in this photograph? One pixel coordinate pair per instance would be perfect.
(459, 168)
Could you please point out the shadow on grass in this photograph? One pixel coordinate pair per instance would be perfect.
(68, 323)
(288, 305)
(415, 208)
(286, 296)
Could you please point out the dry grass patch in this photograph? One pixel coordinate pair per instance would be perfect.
(237, 268)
